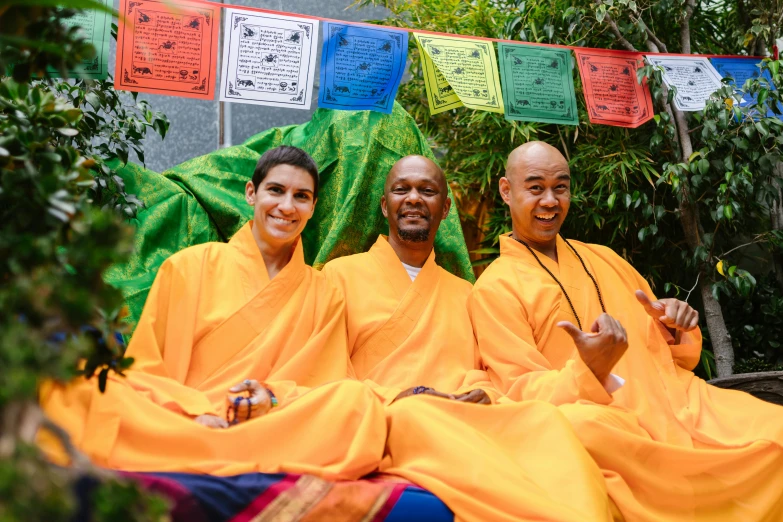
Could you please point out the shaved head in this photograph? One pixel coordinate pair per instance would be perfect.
(534, 155)
(418, 164)
(537, 189)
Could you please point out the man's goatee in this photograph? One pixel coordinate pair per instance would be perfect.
(414, 235)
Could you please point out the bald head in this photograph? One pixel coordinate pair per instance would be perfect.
(416, 165)
(537, 189)
(532, 156)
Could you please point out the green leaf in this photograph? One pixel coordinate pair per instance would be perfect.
(610, 200)
(728, 212)
(704, 166)
(600, 13)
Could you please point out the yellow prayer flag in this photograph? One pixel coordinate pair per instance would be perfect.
(459, 71)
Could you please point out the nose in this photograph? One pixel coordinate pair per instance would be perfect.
(287, 204)
(548, 199)
(414, 196)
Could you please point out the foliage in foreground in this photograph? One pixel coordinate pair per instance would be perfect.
(62, 223)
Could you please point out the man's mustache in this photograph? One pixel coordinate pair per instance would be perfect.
(424, 214)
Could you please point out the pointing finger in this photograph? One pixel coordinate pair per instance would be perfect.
(570, 329)
(648, 303)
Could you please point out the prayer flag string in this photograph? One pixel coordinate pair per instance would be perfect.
(170, 47)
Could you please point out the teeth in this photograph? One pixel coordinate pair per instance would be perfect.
(281, 220)
(545, 216)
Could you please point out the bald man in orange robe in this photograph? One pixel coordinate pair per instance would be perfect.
(555, 318)
(410, 340)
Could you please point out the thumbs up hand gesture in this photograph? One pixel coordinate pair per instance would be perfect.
(602, 348)
(672, 313)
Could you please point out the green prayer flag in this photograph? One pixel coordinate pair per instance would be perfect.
(203, 199)
(538, 84)
(95, 27)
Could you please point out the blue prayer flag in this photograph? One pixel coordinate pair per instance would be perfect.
(361, 67)
(741, 70)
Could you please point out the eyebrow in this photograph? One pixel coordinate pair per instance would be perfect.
(403, 179)
(269, 184)
(541, 178)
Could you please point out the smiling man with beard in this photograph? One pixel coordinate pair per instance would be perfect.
(553, 317)
(410, 340)
(398, 335)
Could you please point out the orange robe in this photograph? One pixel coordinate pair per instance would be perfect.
(212, 319)
(482, 464)
(405, 333)
(671, 446)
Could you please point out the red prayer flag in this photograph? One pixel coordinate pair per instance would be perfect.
(167, 47)
(613, 95)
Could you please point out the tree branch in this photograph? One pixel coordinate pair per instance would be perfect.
(758, 239)
(685, 27)
(693, 287)
(650, 34)
(616, 30)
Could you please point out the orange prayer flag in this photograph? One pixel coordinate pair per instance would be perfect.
(612, 93)
(167, 47)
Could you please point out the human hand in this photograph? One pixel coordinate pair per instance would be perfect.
(423, 391)
(672, 313)
(601, 349)
(211, 421)
(474, 396)
(256, 404)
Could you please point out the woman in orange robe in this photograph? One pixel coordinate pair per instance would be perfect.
(216, 314)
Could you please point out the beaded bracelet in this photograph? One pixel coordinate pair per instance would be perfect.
(272, 397)
(420, 389)
(238, 401)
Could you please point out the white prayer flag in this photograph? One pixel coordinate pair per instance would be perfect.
(268, 59)
(695, 79)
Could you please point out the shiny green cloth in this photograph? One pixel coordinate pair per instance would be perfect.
(203, 199)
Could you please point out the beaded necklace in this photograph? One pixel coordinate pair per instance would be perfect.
(595, 283)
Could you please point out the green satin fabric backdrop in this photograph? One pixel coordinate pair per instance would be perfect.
(203, 199)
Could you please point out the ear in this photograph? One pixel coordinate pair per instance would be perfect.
(504, 185)
(446, 207)
(250, 193)
(383, 207)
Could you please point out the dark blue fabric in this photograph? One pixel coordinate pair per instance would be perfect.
(224, 497)
(419, 505)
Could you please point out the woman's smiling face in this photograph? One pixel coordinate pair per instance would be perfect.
(282, 204)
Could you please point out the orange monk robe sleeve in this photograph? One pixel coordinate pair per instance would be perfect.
(329, 332)
(514, 364)
(479, 380)
(162, 342)
(687, 352)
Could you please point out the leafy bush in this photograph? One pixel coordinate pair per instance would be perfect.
(62, 223)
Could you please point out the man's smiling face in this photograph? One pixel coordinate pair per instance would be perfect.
(537, 188)
(415, 199)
